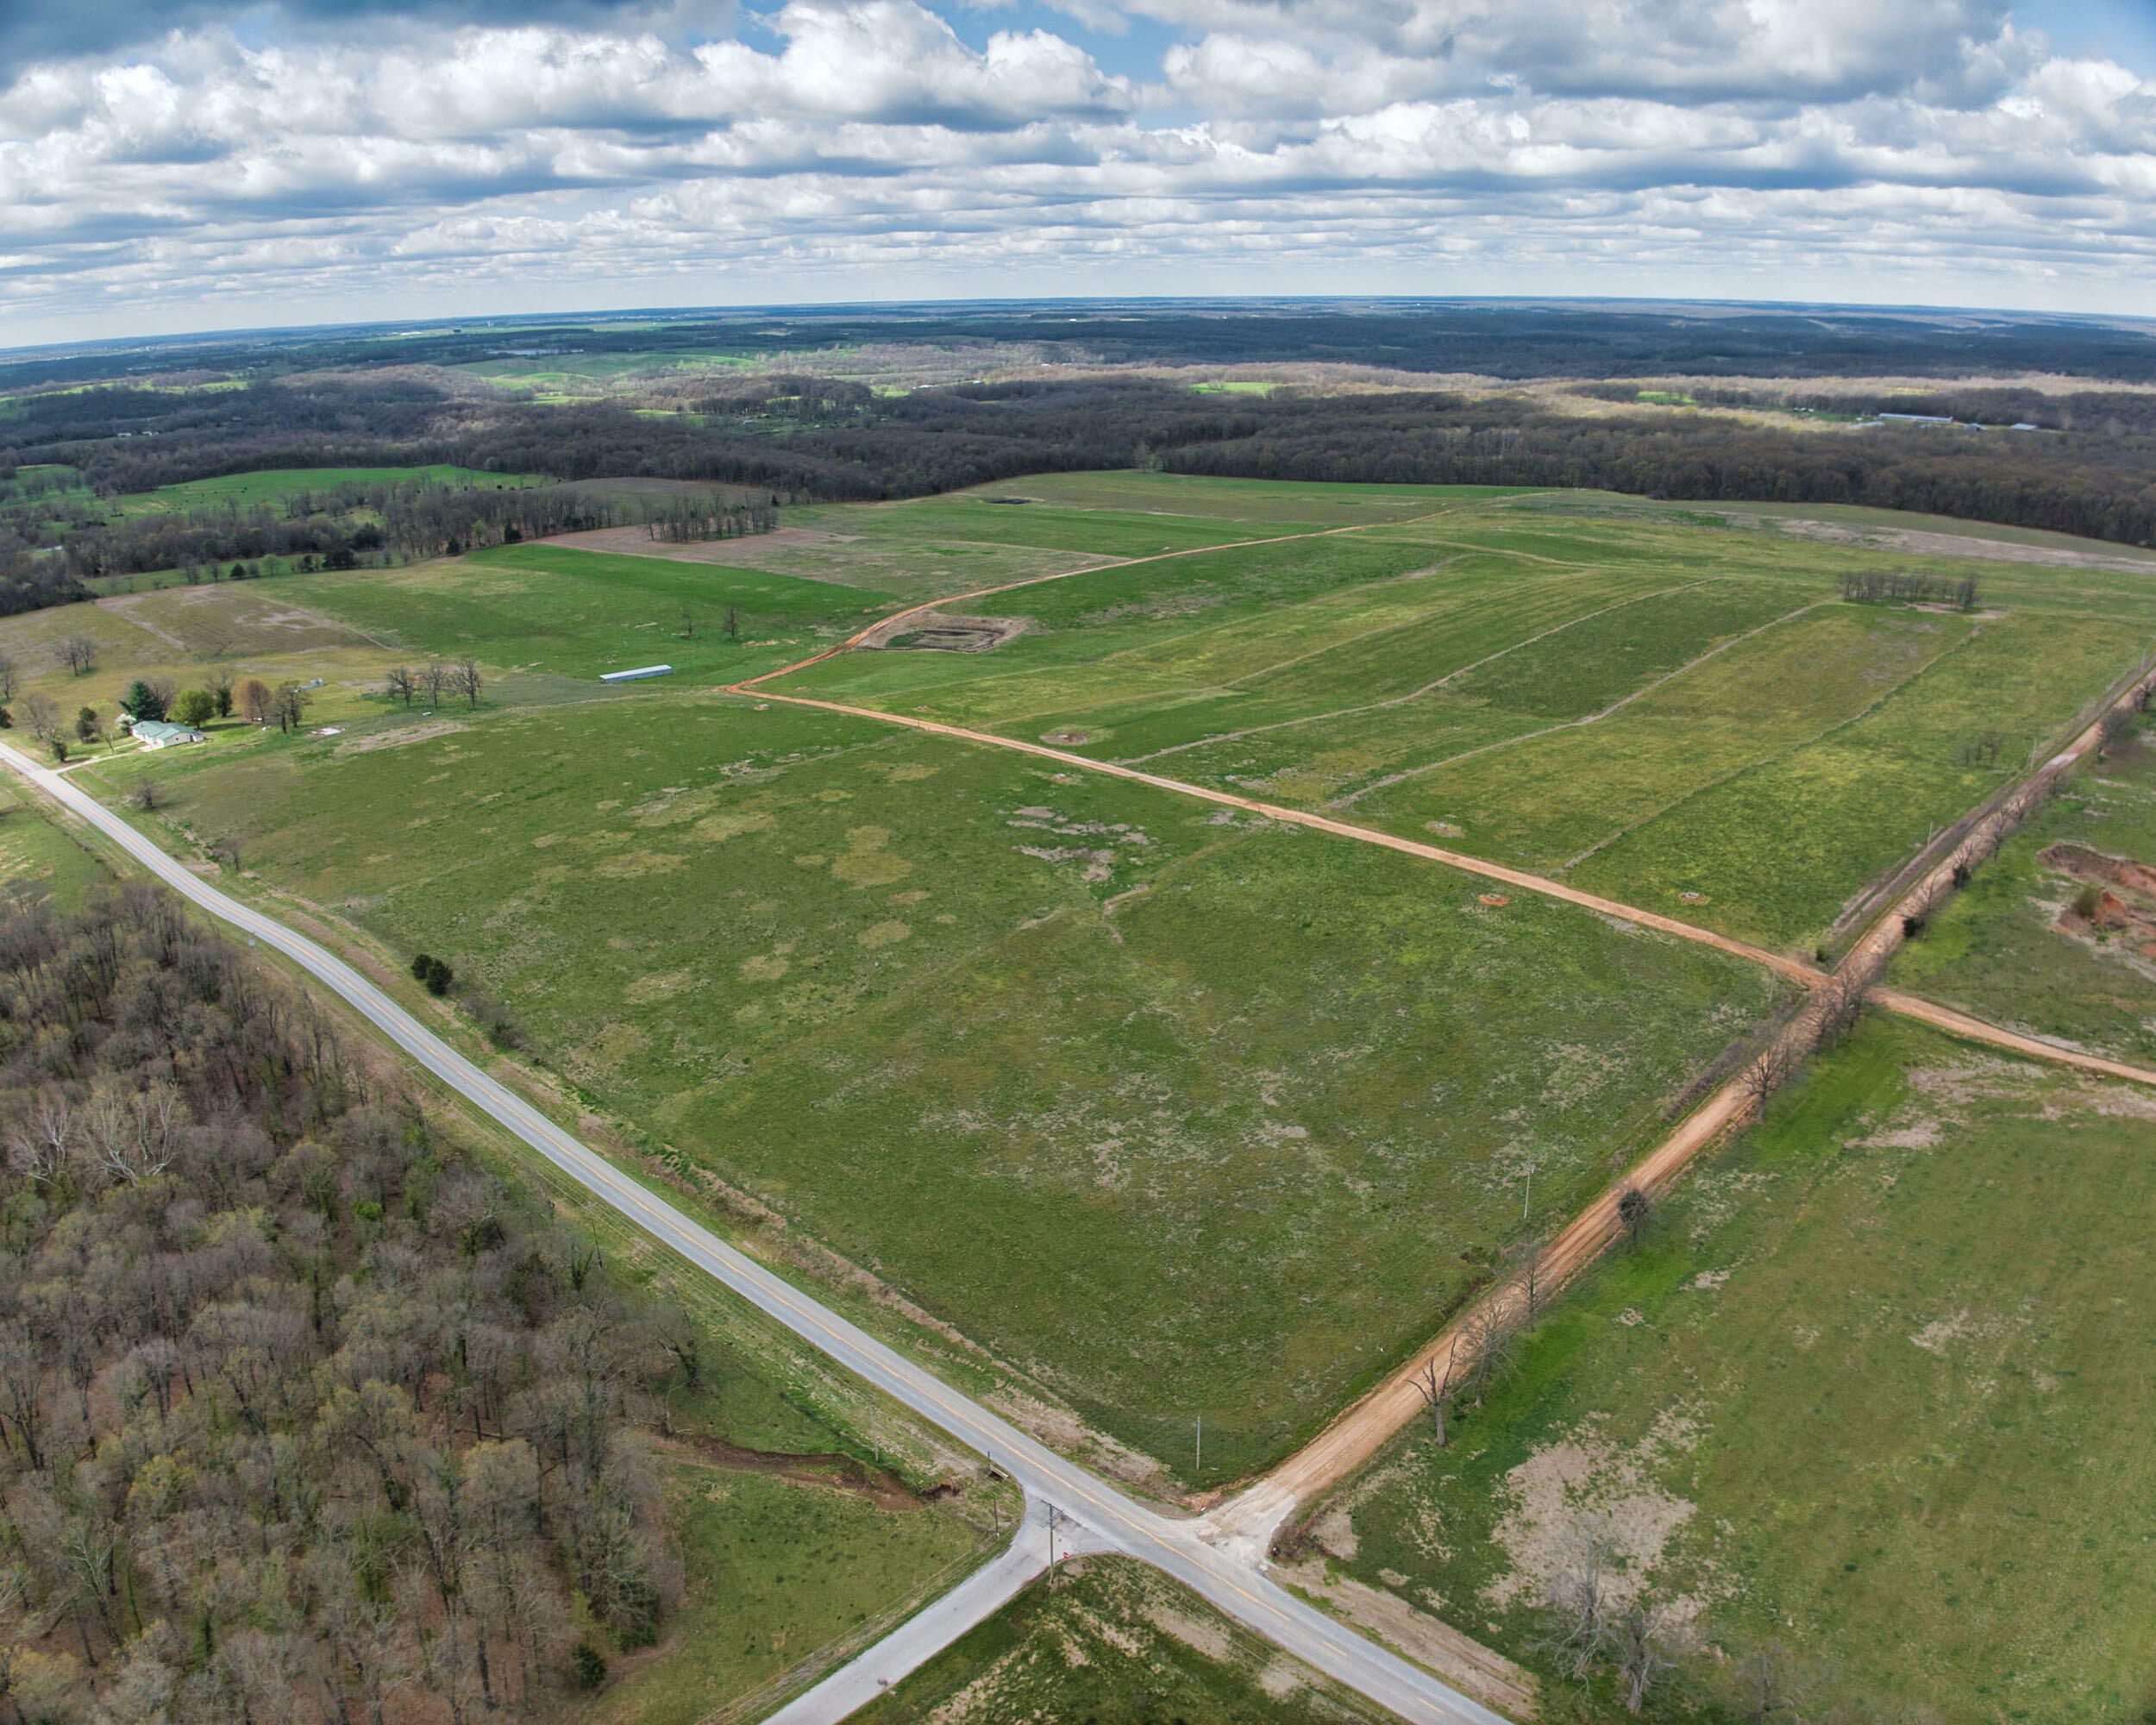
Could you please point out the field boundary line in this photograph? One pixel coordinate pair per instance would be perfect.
(1639, 693)
(1753, 766)
(904, 612)
(1427, 688)
(1198, 635)
(1795, 969)
(1973, 1029)
(1362, 1430)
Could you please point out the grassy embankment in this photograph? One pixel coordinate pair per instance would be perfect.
(1113, 1641)
(2012, 949)
(1872, 1394)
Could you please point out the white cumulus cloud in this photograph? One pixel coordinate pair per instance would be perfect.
(837, 148)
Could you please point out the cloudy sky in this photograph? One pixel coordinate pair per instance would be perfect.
(170, 165)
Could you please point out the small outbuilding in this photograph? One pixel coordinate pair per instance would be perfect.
(159, 733)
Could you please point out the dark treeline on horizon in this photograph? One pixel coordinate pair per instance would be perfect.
(1490, 338)
(2083, 461)
(2091, 472)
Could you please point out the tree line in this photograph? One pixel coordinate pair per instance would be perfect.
(1894, 587)
(421, 518)
(305, 1415)
(794, 439)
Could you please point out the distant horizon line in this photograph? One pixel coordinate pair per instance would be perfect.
(1225, 304)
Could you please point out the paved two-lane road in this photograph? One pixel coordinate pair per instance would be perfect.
(1226, 1578)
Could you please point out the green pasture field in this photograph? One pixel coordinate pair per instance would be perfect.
(39, 857)
(1996, 949)
(775, 1569)
(191, 635)
(1113, 1641)
(69, 480)
(1625, 700)
(274, 487)
(1873, 1393)
(928, 548)
(551, 612)
(546, 371)
(1182, 1113)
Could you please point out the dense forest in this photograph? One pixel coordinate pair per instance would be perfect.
(2089, 468)
(1490, 338)
(757, 437)
(342, 526)
(305, 1415)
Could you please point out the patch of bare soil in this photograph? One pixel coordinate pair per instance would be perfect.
(937, 631)
(221, 617)
(1956, 545)
(396, 739)
(2125, 904)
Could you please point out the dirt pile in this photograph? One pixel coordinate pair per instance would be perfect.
(2118, 897)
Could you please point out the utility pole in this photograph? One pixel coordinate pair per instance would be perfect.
(1527, 1202)
(1199, 1467)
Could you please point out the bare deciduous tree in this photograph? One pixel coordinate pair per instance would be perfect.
(1637, 1641)
(431, 678)
(1635, 1209)
(1490, 1337)
(1579, 1603)
(38, 1142)
(401, 684)
(40, 717)
(1765, 1688)
(464, 680)
(256, 699)
(1769, 1070)
(9, 672)
(78, 651)
(134, 1135)
(1436, 1390)
(290, 706)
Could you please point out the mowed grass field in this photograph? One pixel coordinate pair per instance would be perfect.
(1049, 524)
(1663, 707)
(774, 1570)
(1873, 1398)
(553, 612)
(1999, 950)
(1184, 1114)
(274, 486)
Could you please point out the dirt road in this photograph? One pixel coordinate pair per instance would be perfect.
(1795, 970)
(1977, 1030)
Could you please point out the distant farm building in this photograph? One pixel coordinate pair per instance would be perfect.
(632, 677)
(159, 733)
